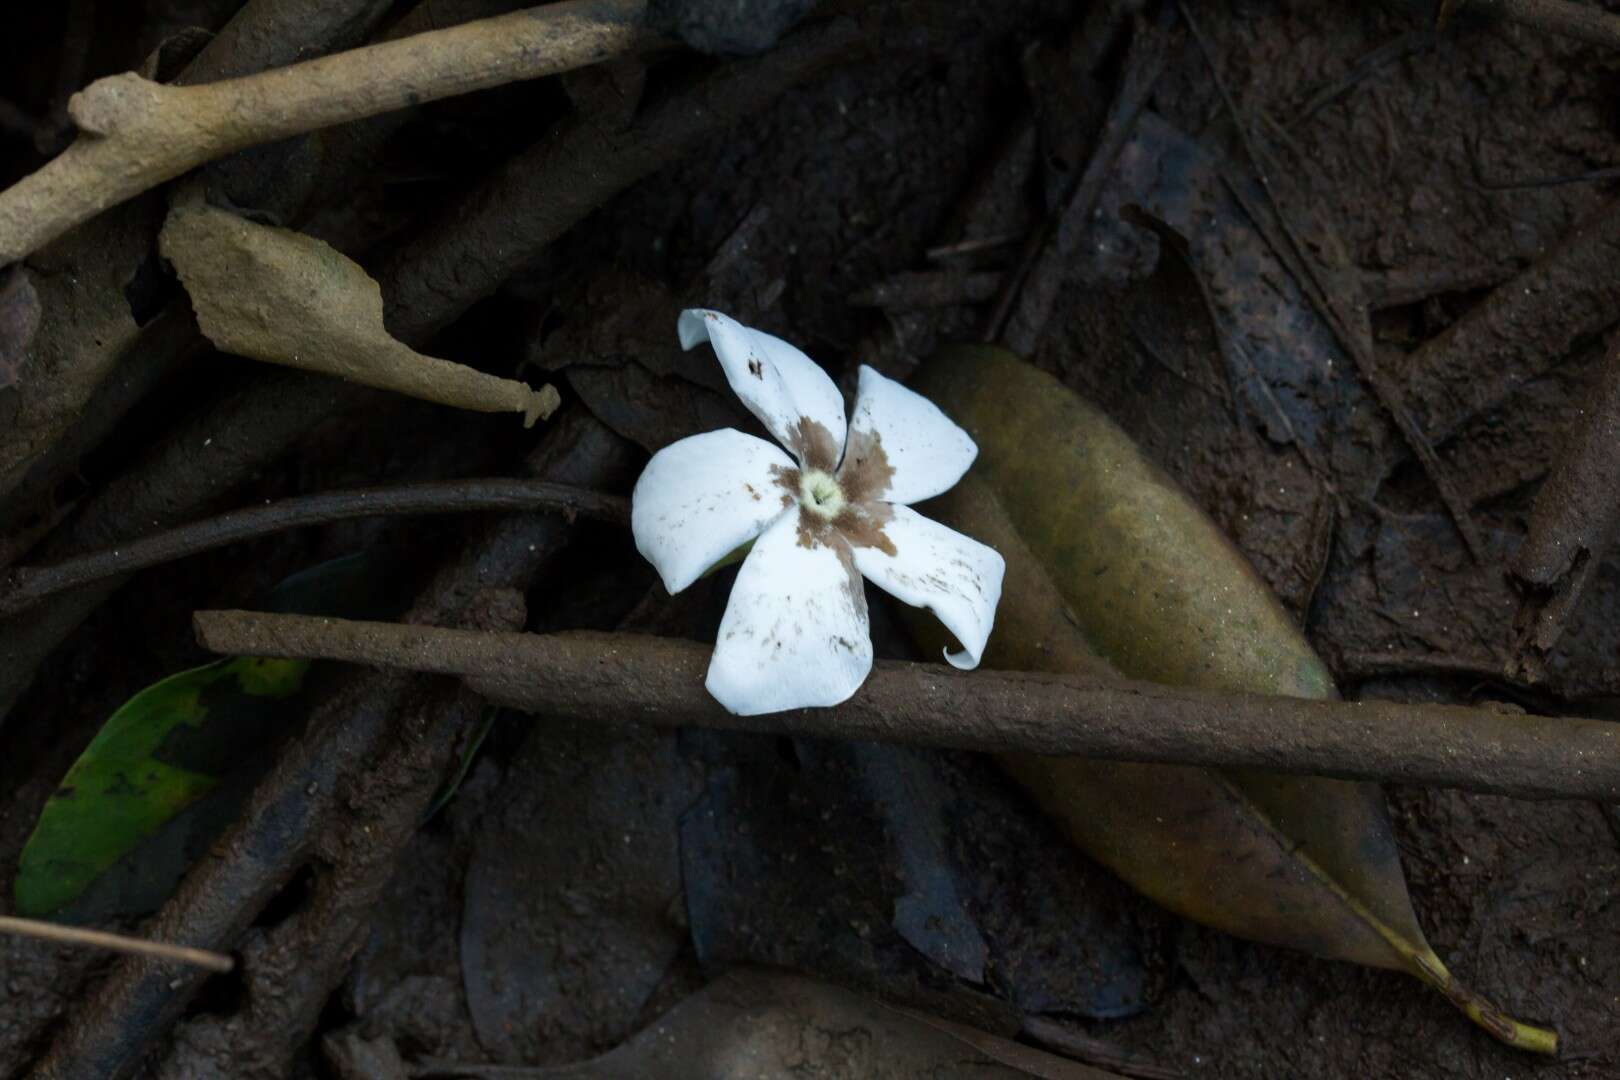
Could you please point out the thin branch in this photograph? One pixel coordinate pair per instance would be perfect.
(928, 289)
(1528, 323)
(137, 133)
(1345, 318)
(1063, 1038)
(975, 246)
(24, 586)
(1378, 663)
(1022, 310)
(660, 681)
(1386, 54)
(100, 939)
(1565, 687)
(1595, 176)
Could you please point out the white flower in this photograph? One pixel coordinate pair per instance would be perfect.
(795, 630)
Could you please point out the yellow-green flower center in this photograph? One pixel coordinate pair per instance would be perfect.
(820, 494)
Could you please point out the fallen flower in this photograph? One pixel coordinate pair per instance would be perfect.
(795, 633)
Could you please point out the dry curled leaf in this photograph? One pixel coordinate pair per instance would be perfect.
(749, 1024)
(285, 298)
(1109, 563)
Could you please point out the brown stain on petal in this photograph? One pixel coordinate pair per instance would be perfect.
(854, 584)
(866, 473)
(815, 531)
(814, 445)
(788, 480)
(864, 478)
(861, 525)
(755, 368)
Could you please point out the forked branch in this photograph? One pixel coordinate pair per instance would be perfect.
(136, 133)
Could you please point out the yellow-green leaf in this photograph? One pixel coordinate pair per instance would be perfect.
(154, 757)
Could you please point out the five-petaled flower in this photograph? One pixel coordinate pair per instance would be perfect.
(795, 629)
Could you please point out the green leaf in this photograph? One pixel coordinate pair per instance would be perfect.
(141, 802)
(153, 758)
(1109, 563)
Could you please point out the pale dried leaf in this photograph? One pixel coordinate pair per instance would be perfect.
(285, 298)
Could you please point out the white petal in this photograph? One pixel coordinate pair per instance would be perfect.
(703, 497)
(795, 633)
(954, 576)
(779, 384)
(902, 448)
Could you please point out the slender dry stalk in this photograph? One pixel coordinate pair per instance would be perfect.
(100, 939)
(24, 586)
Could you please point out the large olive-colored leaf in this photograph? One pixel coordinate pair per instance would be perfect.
(1109, 563)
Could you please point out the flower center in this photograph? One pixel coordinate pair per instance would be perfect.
(820, 494)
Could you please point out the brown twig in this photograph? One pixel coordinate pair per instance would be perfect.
(1524, 326)
(1066, 1040)
(1386, 54)
(975, 246)
(1378, 663)
(100, 939)
(24, 586)
(1593, 176)
(1343, 316)
(1022, 311)
(1564, 689)
(1583, 22)
(928, 289)
(138, 133)
(1573, 525)
(1401, 286)
(236, 434)
(524, 204)
(660, 681)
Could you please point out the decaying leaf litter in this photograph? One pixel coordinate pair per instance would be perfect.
(1393, 198)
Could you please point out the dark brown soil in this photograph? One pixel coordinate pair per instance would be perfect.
(581, 883)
